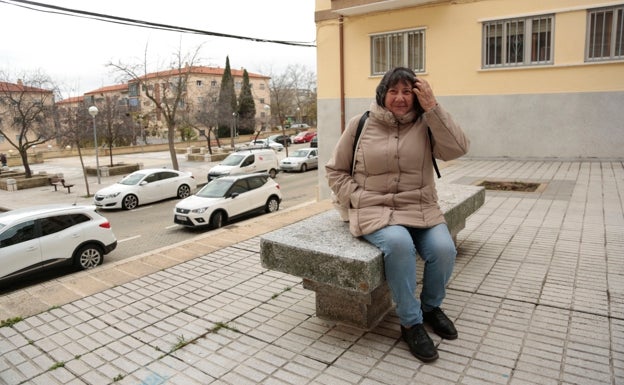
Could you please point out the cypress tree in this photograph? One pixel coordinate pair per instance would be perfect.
(227, 100)
(246, 108)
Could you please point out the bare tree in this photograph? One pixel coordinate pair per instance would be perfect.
(75, 123)
(115, 117)
(292, 89)
(203, 117)
(282, 96)
(166, 89)
(27, 113)
(303, 81)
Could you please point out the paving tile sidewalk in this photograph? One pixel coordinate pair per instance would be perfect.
(537, 296)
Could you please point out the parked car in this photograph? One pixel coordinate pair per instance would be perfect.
(146, 186)
(246, 162)
(301, 160)
(227, 198)
(314, 142)
(265, 143)
(284, 140)
(300, 126)
(304, 137)
(39, 237)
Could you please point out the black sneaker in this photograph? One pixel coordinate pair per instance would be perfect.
(419, 342)
(440, 323)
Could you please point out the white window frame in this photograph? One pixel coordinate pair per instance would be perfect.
(606, 43)
(538, 50)
(398, 49)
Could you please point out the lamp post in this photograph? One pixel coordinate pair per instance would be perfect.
(232, 129)
(93, 111)
(298, 115)
(267, 108)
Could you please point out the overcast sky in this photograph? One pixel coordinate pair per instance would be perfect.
(74, 51)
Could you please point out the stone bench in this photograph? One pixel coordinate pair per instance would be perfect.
(346, 272)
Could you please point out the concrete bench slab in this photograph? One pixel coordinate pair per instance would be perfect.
(347, 272)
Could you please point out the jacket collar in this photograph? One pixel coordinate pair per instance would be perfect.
(388, 117)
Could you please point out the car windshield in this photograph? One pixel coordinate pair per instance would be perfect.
(232, 160)
(300, 154)
(132, 179)
(215, 189)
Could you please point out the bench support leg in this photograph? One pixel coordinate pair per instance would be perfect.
(361, 310)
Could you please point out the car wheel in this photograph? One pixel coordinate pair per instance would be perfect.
(130, 202)
(272, 173)
(272, 205)
(88, 257)
(184, 191)
(304, 167)
(217, 219)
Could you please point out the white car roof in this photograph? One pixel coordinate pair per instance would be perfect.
(146, 170)
(35, 211)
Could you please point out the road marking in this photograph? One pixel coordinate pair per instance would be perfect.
(128, 239)
(172, 226)
(143, 208)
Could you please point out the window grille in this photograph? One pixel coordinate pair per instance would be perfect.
(605, 34)
(518, 42)
(398, 49)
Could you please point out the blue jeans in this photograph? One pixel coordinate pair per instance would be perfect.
(399, 245)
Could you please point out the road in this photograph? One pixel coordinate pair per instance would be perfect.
(151, 227)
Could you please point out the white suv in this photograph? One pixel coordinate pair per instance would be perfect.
(39, 237)
(226, 198)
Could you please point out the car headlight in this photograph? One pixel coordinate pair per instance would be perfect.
(112, 195)
(200, 211)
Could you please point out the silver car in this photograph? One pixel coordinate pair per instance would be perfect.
(301, 160)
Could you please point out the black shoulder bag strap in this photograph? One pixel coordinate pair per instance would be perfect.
(359, 131)
(357, 136)
(435, 165)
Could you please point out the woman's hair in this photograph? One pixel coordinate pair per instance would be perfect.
(392, 78)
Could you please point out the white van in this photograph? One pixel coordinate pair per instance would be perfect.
(246, 162)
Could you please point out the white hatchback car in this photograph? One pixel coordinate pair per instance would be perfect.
(145, 186)
(227, 198)
(39, 237)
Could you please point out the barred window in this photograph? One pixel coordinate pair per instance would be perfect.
(605, 34)
(518, 42)
(398, 49)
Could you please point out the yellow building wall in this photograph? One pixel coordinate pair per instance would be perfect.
(568, 109)
(454, 50)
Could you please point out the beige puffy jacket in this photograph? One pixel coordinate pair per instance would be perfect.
(393, 179)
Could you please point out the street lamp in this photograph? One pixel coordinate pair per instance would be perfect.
(93, 111)
(267, 108)
(298, 115)
(232, 129)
